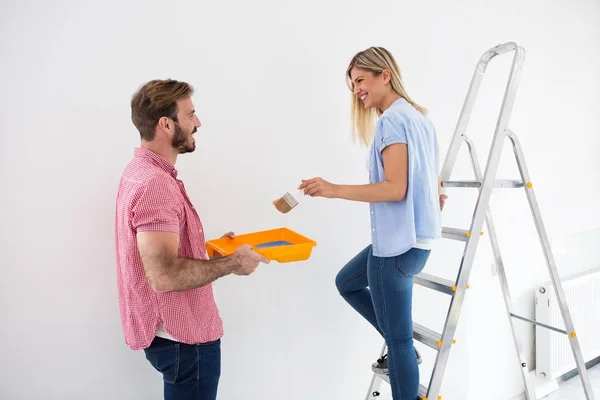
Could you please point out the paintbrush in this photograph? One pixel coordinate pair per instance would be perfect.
(285, 203)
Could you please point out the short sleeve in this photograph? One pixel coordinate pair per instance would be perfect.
(157, 207)
(390, 132)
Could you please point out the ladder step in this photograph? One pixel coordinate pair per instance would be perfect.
(456, 234)
(435, 283)
(422, 392)
(500, 183)
(422, 389)
(426, 336)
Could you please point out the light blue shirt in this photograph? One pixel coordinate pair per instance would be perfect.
(397, 226)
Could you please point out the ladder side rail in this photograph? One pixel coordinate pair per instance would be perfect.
(376, 380)
(469, 102)
(501, 130)
(551, 264)
(485, 192)
(461, 125)
(491, 230)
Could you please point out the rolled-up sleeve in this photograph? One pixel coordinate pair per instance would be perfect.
(156, 207)
(390, 132)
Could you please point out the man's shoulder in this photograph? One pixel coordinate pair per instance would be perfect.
(143, 182)
(142, 173)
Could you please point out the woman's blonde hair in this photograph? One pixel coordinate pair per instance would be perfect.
(375, 60)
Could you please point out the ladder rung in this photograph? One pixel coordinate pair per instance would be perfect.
(456, 234)
(422, 389)
(500, 183)
(426, 336)
(435, 283)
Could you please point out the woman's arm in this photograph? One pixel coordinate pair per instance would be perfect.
(395, 165)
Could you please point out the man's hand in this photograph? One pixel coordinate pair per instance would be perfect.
(247, 260)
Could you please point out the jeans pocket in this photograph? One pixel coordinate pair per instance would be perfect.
(165, 359)
(412, 262)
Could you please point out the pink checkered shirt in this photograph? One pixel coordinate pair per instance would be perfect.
(151, 198)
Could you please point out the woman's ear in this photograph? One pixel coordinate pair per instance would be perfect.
(386, 75)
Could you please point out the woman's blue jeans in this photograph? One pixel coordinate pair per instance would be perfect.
(380, 289)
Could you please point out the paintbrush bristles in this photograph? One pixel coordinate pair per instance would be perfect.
(285, 203)
(282, 206)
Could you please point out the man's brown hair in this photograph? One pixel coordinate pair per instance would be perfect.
(154, 100)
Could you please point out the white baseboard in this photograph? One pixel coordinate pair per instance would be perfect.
(541, 387)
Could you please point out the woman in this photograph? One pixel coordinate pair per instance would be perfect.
(405, 204)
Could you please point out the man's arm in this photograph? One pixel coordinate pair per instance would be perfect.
(167, 272)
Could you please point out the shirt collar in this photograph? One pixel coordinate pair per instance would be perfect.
(157, 160)
(400, 100)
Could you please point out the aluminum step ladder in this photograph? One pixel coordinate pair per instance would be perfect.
(486, 183)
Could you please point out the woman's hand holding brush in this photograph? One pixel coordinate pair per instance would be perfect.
(310, 187)
(318, 187)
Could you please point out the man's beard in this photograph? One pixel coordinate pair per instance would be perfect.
(181, 140)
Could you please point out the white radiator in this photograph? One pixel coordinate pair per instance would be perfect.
(553, 350)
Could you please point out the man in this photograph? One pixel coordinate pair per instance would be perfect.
(164, 278)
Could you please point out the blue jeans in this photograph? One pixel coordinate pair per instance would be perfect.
(380, 289)
(190, 372)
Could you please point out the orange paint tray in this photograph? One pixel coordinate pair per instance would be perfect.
(281, 244)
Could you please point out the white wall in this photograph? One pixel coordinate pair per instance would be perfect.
(270, 80)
